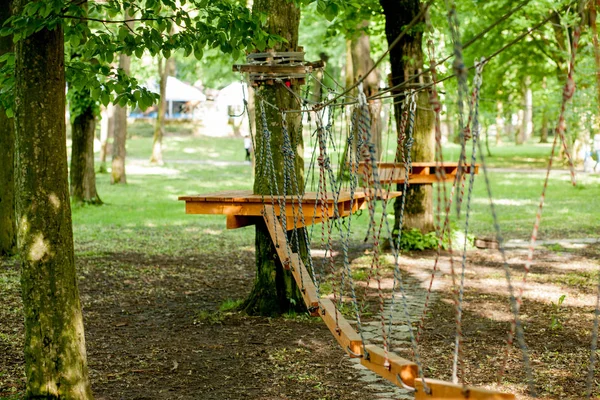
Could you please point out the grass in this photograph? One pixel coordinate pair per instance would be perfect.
(145, 215)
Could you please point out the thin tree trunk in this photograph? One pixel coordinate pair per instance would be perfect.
(107, 128)
(406, 61)
(362, 63)
(55, 358)
(120, 133)
(83, 174)
(164, 71)
(275, 290)
(8, 228)
(499, 122)
(593, 16)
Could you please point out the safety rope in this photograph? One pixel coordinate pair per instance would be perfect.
(460, 71)
(457, 359)
(442, 197)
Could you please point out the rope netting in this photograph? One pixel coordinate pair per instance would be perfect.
(334, 174)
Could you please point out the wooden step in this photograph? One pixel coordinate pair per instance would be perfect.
(292, 262)
(397, 370)
(447, 390)
(340, 328)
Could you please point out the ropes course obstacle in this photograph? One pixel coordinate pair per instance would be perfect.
(284, 213)
(331, 204)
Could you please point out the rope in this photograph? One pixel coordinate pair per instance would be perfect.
(594, 346)
(442, 197)
(460, 71)
(568, 92)
(477, 80)
(507, 273)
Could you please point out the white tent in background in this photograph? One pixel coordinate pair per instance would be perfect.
(179, 92)
(232, 95)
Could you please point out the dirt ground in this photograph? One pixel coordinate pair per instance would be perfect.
(153, 330)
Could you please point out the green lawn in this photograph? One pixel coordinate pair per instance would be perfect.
(145, 214)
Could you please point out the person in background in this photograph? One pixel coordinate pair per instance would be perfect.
(247, 146)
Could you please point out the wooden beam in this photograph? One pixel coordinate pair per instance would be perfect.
(396, 367)
(292, 261)
(341, 329)
(450, 391)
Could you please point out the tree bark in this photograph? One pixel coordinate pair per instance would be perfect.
(8, 228)
(83, 132)
(55, 358)
(83, 173)
(362, 63)
(120, 133)
(406, 60)
(164, 71)
(275, 290)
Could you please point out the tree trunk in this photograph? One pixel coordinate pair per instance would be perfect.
(275, 290)
(55, 358)
(525, 114)
(406, 61)
(83, 174)
(120, 133)
(83, 132)
(361, 64)
(8, 228)
(499, 122)
(159, 127)
(107, 127)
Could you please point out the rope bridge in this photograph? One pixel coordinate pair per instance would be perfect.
(284, 210)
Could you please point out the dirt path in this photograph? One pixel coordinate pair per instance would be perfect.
(153, 331)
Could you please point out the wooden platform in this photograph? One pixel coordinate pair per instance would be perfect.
(422, 172)
(243, 208)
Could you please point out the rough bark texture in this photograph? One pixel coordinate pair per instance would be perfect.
(55, 358)
(164, 70)
(274, 290)
(120, 134)
(82, 173)
(8, 228)
(407, 60)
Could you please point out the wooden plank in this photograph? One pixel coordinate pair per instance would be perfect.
(448, 390)
(292, 261)
(240, 221)
(341, 329)
(272, 69)
(396, 366)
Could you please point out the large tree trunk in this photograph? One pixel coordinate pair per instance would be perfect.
(83, 174)
(159, 127)
(407, 60)
(55, 359)
(274, 290)
(8, 229)
(120, 133)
